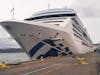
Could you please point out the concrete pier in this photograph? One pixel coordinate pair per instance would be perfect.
(57, 66)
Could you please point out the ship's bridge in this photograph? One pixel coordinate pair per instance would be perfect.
(52, 16)
(54, 12)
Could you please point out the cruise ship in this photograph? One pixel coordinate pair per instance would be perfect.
(50, 32)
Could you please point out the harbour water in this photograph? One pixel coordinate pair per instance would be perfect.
(10, 52)
(11, 58)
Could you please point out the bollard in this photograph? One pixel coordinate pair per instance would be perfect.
(41, 59)
(82, 60)
(3, 65)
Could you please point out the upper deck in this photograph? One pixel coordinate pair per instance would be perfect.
(52, 13)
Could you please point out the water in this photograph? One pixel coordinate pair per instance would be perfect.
(11, 58)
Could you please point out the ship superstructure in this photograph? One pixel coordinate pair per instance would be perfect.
(51, 32)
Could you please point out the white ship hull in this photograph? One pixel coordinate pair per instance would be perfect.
(38, 39)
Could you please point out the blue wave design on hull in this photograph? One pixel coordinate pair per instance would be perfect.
(52, 50)
(38, 46)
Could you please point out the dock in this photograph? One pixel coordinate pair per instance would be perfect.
(61, 65)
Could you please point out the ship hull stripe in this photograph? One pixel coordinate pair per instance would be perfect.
(40, 45)
(36, 48)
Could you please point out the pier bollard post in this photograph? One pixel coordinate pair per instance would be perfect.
(82, 60)
(3, 65)
(41, 58)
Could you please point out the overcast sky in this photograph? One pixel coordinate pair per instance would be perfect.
(88, 11)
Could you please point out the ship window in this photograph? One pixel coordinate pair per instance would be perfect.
(75, 20)
(77, 23)
(48, 19)
(52, 21)
(84, 34)
(50, 16)
(75, 31)
(76, 27)
(79, 37)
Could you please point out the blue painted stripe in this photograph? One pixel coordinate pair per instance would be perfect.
(59, 48)
(40, 45)
(50, 42)
(36, 48)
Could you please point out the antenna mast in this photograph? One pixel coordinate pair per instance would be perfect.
(48, 5)
(12, 10)
(13, 13)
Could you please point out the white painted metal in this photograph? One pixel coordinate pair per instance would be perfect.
(30, 33)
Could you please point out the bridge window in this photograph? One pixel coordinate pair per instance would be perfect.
(50, 16)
